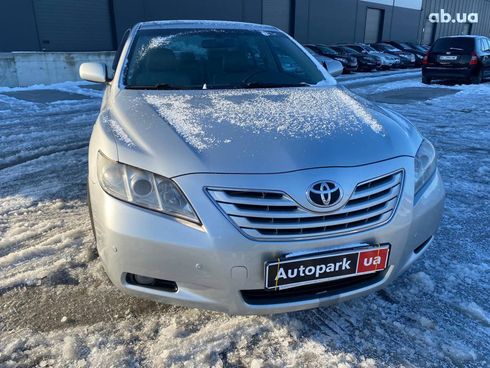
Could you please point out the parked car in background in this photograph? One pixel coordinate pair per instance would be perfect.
(348, 62)
(365, 62)
(458, 57)
(388, 61)
(407, 59)
(404, 46)
(421, 48)
(250, 182)
(334, 67)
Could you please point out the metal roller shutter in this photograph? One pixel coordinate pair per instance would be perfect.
(374, 25)
(72, 25)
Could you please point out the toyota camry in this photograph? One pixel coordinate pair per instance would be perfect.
(229, 171)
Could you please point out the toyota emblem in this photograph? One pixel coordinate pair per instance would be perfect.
(324, 193)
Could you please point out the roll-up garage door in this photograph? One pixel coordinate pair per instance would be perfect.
(277, 13)
(429, 32)
(374, 25)
(73, 25)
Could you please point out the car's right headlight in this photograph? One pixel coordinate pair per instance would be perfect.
(425, 164)
(143, 188)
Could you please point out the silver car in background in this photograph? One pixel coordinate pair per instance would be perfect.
(229, 171)
(388, 61)
(333, 67)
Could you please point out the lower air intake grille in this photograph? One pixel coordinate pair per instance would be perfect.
(320, 290)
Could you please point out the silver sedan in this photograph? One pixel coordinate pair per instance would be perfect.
(334, 67)
(229, 171)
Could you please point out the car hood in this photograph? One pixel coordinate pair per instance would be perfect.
(174, 133)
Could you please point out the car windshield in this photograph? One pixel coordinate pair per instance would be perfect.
(217, 58)
(356, 48)
(327, 50)
(461, 44)
(389, 47)
(369, 48)
(350, 50)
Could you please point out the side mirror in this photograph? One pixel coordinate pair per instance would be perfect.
(93, 72)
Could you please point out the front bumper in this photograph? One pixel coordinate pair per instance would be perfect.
(212, 264)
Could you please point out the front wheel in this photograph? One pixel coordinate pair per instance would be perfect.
(426, 80)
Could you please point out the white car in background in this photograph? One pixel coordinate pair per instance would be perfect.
(334, 67)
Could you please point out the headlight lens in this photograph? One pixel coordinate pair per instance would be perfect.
(143, 188)
(425, 164)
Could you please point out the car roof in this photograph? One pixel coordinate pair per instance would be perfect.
(204, 24)
(464, 36)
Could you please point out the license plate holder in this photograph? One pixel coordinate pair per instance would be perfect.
(285, 273)
(448, 58)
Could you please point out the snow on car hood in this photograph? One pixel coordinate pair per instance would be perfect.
(255, 131)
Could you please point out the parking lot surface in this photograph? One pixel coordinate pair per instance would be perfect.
(57, 307)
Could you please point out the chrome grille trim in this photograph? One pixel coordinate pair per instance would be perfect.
(274, 215)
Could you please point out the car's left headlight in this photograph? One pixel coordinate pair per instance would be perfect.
(143, 188)
(425, 164)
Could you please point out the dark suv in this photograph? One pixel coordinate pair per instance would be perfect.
(457, 57)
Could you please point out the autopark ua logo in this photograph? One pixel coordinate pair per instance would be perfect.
(443, 17)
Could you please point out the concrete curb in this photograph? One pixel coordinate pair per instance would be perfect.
(19, 69)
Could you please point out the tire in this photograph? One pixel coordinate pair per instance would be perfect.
(477, 79)
(426, 80)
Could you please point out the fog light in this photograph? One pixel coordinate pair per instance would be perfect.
(143, 280)
(151, 283)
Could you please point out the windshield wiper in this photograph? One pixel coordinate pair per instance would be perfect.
(274, 85)
(157, 86)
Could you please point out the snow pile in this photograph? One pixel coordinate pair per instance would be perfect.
(298, 112)
(73, 87)
(475, 311)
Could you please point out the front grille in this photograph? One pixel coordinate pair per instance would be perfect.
(271, 215)
(308, 292)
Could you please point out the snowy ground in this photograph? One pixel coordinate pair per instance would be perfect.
(57, 308)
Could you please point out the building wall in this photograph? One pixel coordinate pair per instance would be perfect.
(337, 21)
(36, 67)
(482, 7)
(129, 12)
(95, 25)
(18, 15)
